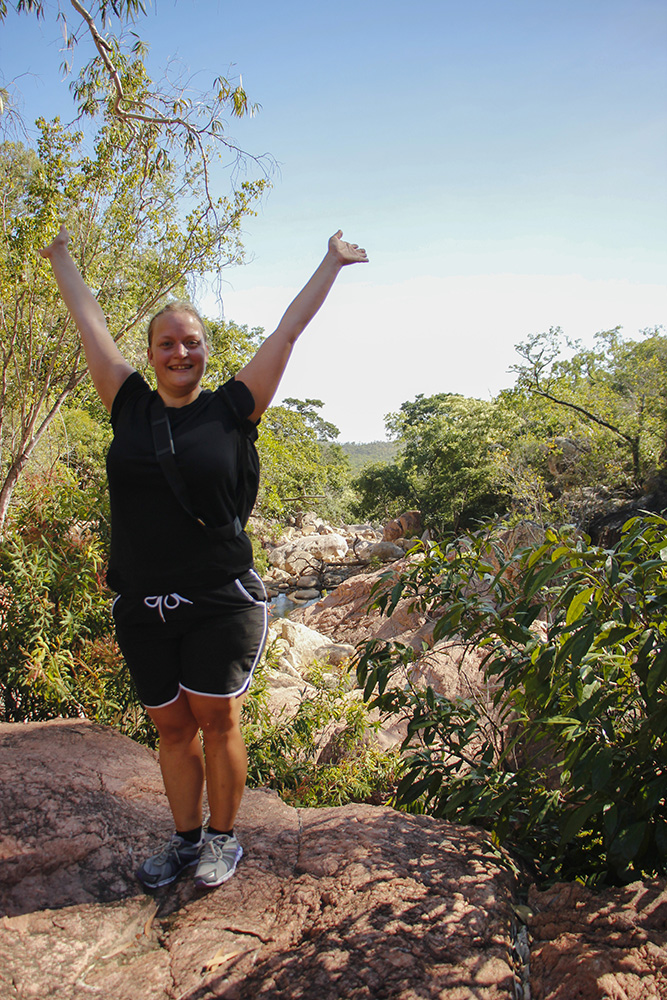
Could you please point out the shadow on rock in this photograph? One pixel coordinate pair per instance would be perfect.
(354, 902)
(79, 809)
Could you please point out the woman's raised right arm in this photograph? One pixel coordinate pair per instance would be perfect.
(107, 366)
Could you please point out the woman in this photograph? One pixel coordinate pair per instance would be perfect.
(191, 611)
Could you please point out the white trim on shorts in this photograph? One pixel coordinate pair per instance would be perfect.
(245, 592)
(246, 685)
(164, 704)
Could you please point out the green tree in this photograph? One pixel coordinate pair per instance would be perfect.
(447, 463)
(134, 243)
(299, 470)
(609, 401)
(382, 491)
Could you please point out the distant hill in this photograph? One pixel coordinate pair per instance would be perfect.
(365, 454)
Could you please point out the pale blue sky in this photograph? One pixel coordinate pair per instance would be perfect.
(502, 163)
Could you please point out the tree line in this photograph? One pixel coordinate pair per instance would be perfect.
(578, 421)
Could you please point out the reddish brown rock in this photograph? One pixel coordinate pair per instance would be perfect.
(407, 525)
(610, 945)
(344, 613)
(359, 902)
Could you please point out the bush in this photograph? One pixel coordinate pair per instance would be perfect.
(285, 753)
(58, 655)
(569, 768)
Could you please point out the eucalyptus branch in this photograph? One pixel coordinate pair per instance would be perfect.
(104, 49)
(580, 409)
(150, 114)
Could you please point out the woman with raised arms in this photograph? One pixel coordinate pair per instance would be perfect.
(190, 614)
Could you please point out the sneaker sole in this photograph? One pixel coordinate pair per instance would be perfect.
(201, 884)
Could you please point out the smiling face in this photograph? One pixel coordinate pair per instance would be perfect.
(178, 353)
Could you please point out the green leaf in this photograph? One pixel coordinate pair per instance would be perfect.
(627, 844)
(657, 672)
(578, 604)
(577, 819)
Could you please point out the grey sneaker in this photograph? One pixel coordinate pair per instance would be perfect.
(217, 861)
(163, 867)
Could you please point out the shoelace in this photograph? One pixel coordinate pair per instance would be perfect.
(168, 849)
(161, 602)
(215, 846)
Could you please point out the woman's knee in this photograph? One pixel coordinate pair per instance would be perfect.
(218, 718)
(175, 723)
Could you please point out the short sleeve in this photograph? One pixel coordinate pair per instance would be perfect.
(241, 396)
(134, 383)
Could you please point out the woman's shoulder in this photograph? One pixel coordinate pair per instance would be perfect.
(133, 388)
(237, 393)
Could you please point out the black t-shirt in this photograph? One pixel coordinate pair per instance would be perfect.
(156, 547)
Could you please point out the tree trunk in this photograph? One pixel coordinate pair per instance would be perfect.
(11, 479)
(27, 447)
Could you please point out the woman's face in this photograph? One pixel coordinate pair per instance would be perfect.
(178, 354)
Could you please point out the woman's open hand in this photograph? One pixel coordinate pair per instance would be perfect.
(346, 253)
(61, 240)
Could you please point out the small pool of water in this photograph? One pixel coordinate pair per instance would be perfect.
(281, 606)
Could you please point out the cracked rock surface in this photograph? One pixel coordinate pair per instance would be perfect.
(593, 946)
(355, 902)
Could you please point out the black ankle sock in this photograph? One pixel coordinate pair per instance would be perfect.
(192, 836)
(216, 833)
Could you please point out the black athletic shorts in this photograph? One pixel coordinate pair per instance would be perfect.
(206, 642)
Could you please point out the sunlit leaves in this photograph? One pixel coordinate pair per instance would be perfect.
(570, 769)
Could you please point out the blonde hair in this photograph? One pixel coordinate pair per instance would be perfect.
(176, 307)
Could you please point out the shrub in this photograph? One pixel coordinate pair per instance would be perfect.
(285, 753)
(569, 769)
(58, 655)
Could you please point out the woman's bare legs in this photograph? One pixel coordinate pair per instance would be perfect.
(225, 755)
(184, 766)
(181, 761)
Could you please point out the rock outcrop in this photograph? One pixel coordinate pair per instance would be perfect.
(312, 556)
(344, 614)
(594, 946)
(408, 525)
(292, 649)
(356, 902)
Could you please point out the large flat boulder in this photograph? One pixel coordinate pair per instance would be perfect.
(353, 902)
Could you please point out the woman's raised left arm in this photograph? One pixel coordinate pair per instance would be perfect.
(263, 373)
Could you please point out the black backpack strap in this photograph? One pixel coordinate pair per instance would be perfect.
(243, 446)
(166, 455)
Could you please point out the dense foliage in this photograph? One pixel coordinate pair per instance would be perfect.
(447, 463)
(58, 655)
(601, 410)
(321, 755)
(301, 469)
(566, 762)
(576, 420)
